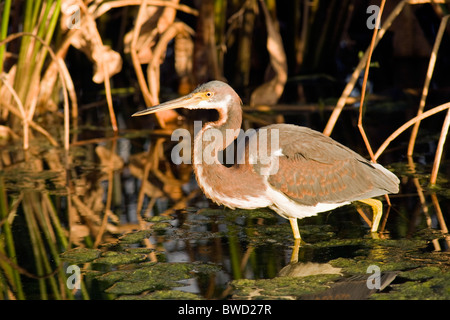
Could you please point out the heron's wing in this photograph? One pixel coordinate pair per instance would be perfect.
(314, 168)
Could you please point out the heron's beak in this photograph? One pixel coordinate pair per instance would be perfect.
(189, 101)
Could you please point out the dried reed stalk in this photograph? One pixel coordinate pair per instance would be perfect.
(440, 217)
(366, 75)
(424, 206)
(23, 113)
(167, 29)
(363, 89)
(159, 50)
(152, 161)
(355, 75)
(440, 148)
(109, 195)
(148, 98)
(103, 66)
(406, 125)
(439, 214)
(426, 86)
(27, 117)
(104, 7)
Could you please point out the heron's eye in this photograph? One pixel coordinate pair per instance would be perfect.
(209, 94)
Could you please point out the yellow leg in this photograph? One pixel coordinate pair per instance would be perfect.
(377, 208)
(297, 240)
(294, 227)
(295, 250)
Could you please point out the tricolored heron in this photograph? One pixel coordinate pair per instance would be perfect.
(314, 172)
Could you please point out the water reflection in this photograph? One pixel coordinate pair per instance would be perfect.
(205, 251)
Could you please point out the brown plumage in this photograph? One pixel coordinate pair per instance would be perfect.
(302, 174)
(317, 169)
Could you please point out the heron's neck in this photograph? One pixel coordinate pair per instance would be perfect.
(218, 182)
(216, 136)
(226, 185)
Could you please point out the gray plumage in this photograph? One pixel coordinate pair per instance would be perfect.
(318, 169)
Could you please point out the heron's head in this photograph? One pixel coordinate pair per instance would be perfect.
(210, 95)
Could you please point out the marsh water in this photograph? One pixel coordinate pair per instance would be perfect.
(182, 246)
(92, 205)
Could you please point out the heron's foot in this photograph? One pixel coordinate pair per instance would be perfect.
(375, 235)
(377, 209)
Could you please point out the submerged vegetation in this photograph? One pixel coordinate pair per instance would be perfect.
(81, 183)
(328, 266)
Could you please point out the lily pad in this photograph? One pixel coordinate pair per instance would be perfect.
(436, 288)
(159, 219)
(424, 273)
(80, 255)
(162, 295)
(135, 237)
(150, 277)
(282, 287)
(116, 258)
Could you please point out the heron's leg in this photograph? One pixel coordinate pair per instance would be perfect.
(297, 240)
(295, 250)
(377, 208)
(294, 227)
